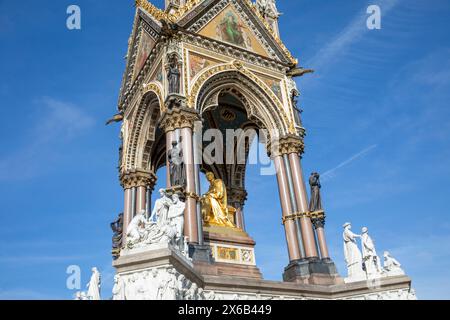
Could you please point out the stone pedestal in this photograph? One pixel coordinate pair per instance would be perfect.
(312, 271)
(233, 253)
(144, 275)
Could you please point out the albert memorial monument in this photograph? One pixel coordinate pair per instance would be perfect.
(220, 64)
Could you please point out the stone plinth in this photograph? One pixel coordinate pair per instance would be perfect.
(233, 253)
(137, 271)
(312, 271)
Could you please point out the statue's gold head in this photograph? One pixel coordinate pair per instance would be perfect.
(210, 176)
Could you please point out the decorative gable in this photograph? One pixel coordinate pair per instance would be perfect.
(146, 44)
(228, 26)
(247, 30)
(146, 32)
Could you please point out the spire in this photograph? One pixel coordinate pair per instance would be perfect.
(268, 9)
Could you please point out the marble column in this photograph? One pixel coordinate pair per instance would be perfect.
(190, 221)
(141, 199)
(240, 219)
(170, 136)
(236, 198)
(286, 206)
(127, 212)
(180, 118)
(319, 224)
(135, 183)
(301, 198)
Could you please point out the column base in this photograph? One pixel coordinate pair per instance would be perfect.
(312, 271)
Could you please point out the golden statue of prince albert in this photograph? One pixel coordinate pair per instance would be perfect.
(215, 210)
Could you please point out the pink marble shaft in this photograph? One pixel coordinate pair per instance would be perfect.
(285, 200)
(126, 213)
(302, 205)
(170, 136)
(190, 220)
(322, 243)
(141, 200)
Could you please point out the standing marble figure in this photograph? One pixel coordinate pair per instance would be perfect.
(315, 203)
(352, 254)
(119, 288)
(176, 217)
(177, 172)
(93, 286)
(173, 75)
(161, 208)
(370, 257)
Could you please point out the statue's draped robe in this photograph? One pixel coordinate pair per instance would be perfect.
(215, 205)
(369, 254)
(316, 202)
(136, 228)
(352, 254)
(161, 209)
(173, 77)
(177, 172)
(176, 217)
(94, 286)
(119, 290)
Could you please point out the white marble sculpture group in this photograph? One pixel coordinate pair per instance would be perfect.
(365, 264)
(93, 288)
(162, 283)
(165, 225)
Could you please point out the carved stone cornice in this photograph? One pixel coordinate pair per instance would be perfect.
(177, 114)
(138, 178)
(286, 145)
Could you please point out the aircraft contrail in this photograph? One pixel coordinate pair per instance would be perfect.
(328, 174)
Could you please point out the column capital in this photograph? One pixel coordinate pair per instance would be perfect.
(286, 145)
(177, 114)
(138, 178)
(237, 194)
(318, 219)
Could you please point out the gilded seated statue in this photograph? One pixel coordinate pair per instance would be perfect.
(215, 210)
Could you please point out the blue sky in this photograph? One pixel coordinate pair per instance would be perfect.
(376, 112)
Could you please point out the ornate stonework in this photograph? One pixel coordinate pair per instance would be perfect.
(177, 115)
(137, 178)
(286, 145)
(217, 62)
